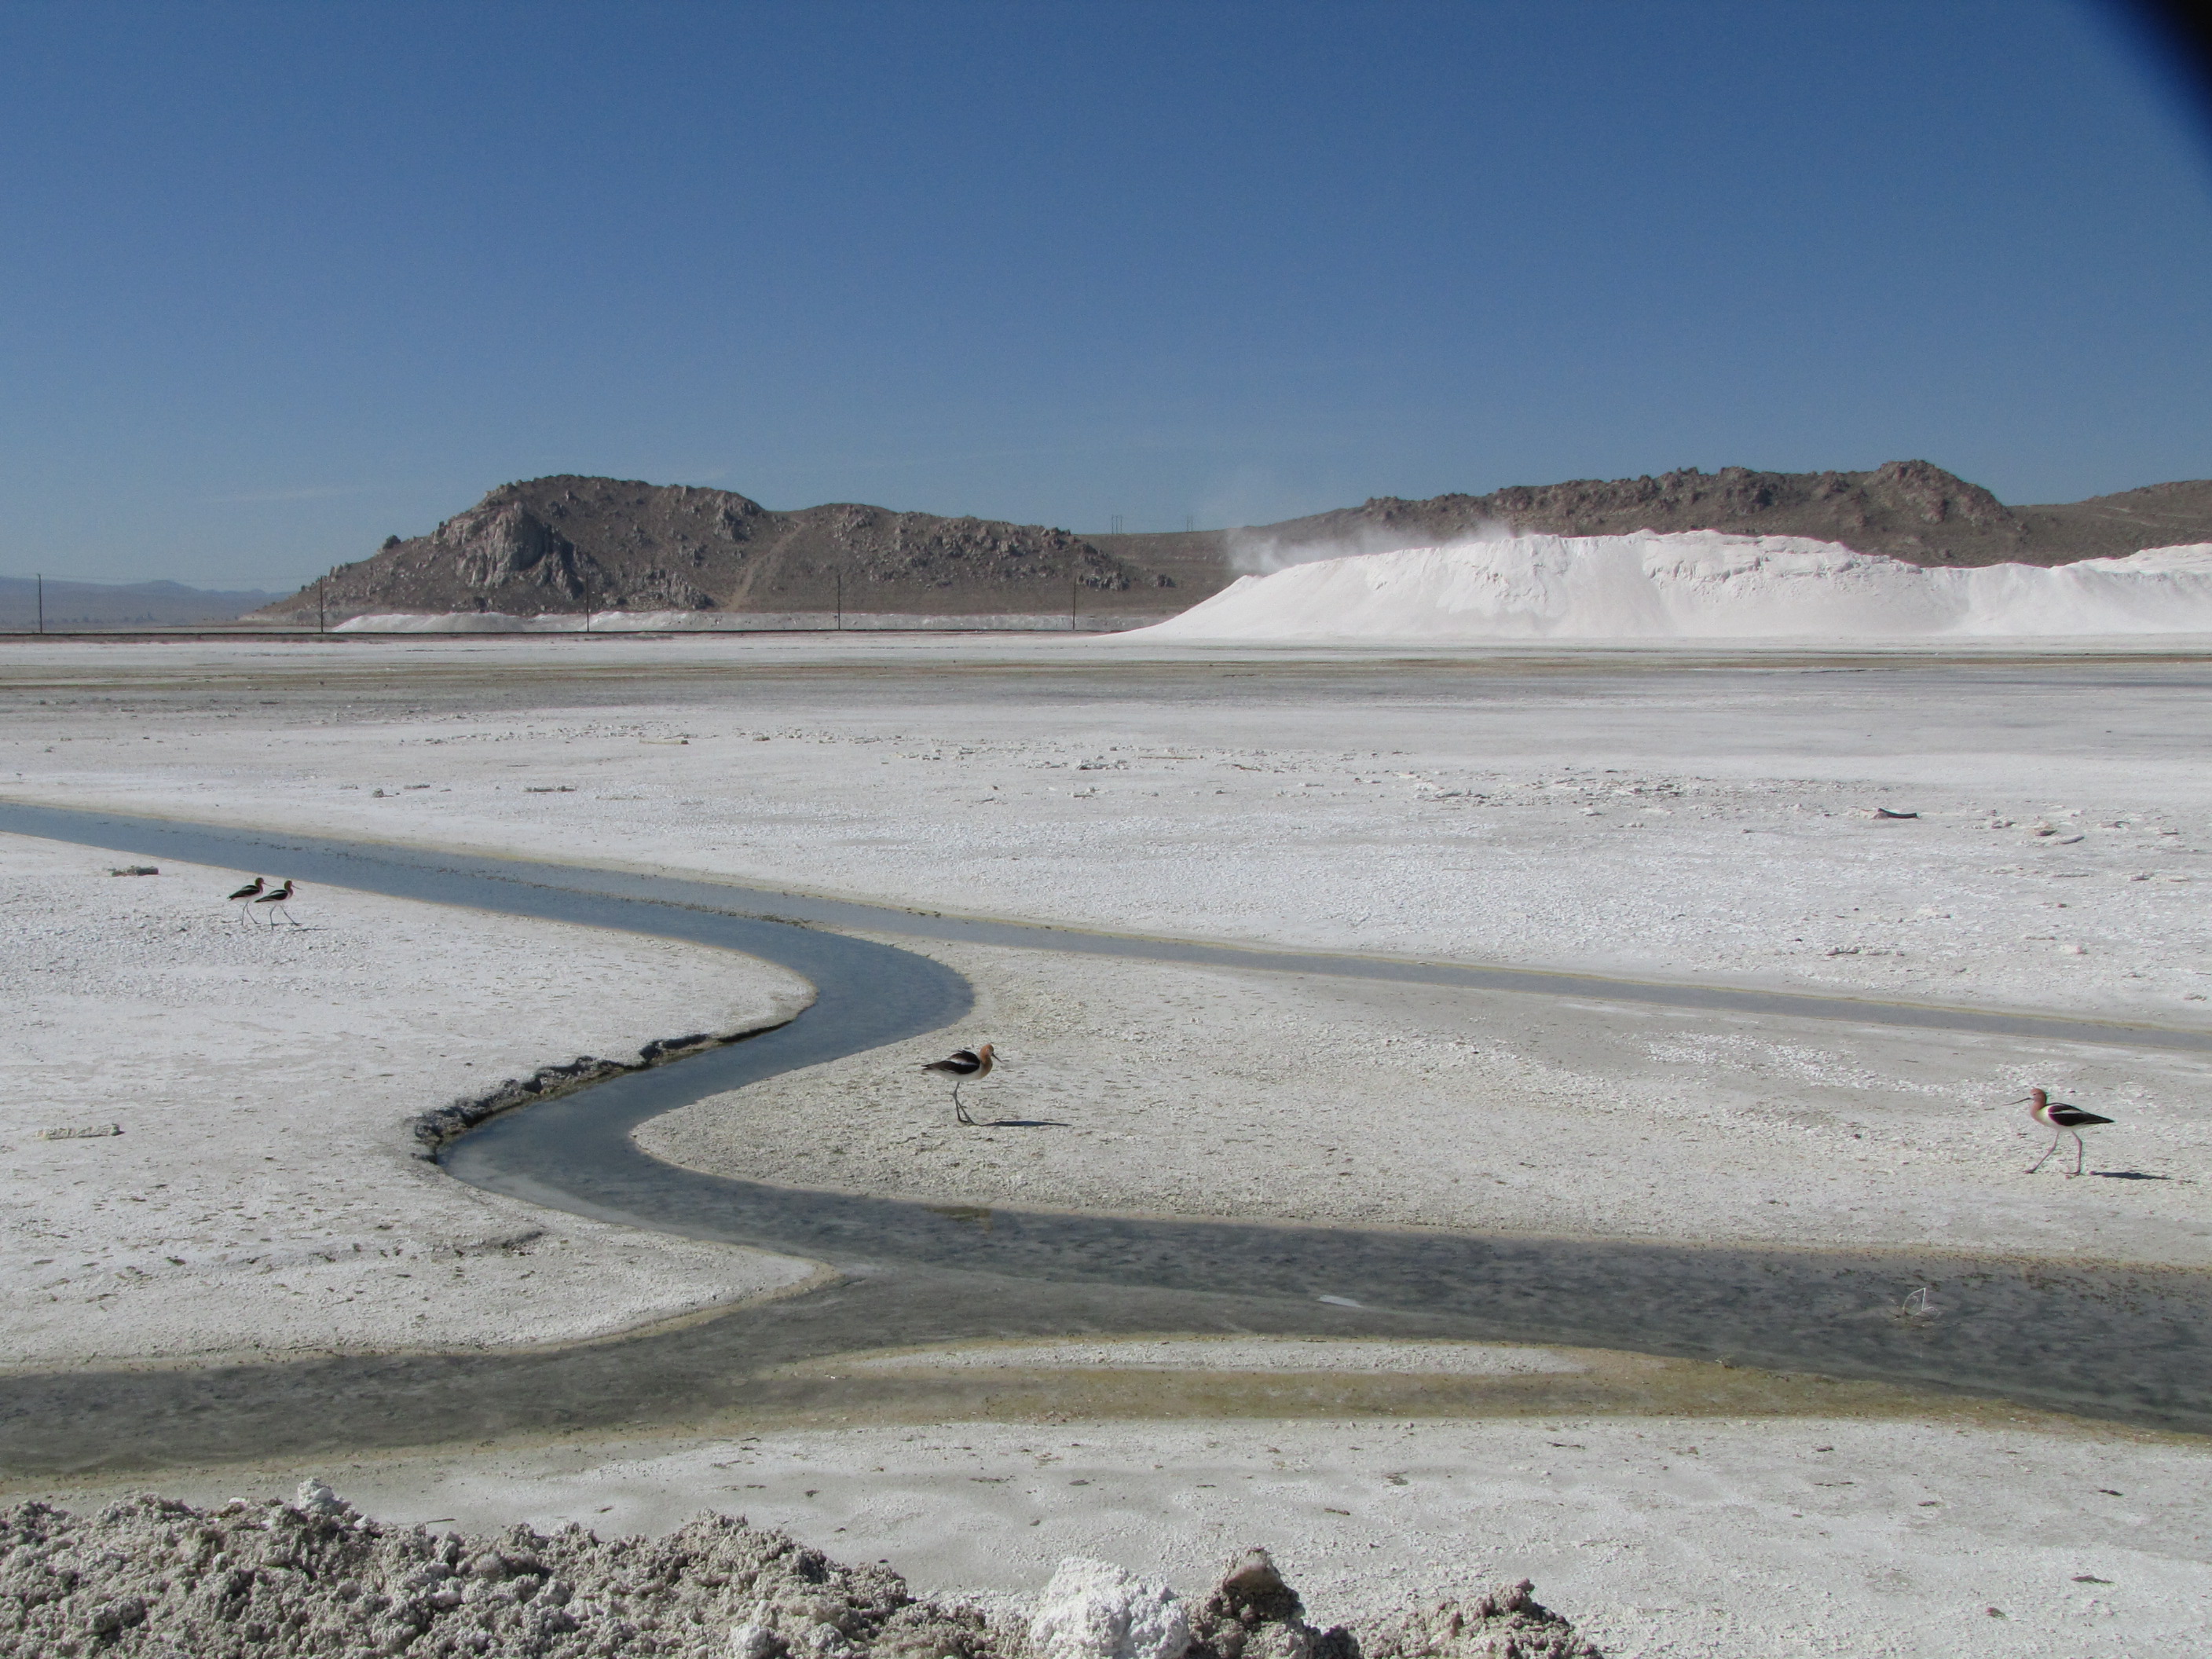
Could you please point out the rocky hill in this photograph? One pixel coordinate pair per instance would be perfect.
(571, 543)
(568, 543)
(1908, 510)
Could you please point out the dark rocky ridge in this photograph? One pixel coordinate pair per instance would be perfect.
(566, 543)
(1908, 510)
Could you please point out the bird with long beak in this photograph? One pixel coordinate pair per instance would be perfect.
(2062, 1120)
(961, 1065)
(244, 898)
(277, 898)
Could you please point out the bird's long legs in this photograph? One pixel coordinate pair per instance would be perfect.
(959, 1112)
(2080, 1151)
(2056, 1136)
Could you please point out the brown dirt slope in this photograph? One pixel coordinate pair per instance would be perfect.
(567, 544)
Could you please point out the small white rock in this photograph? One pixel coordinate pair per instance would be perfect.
(1096, 1610)
(317, 1499)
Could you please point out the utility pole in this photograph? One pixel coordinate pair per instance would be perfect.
(1073, 589)
(322, 616)
(42, 601)
(840, 601)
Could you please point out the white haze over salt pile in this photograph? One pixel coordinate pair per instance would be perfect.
(1697, 585)
(1255, 553)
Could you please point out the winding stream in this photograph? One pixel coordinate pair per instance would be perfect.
(2124, 1343)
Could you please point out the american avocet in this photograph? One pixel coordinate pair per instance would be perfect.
(961, 1065)
(2062, 1120)
(244, 898)
(279, 898)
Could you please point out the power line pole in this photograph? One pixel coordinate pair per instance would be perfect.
(322, 617)
(42, 601)
(1073, 589)
(840, 601)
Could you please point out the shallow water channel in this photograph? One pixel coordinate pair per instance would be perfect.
(2124, 1343)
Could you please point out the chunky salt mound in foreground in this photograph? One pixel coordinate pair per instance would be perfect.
(1697, 585)
(316, 1579)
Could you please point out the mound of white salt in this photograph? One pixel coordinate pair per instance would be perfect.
(1697, 585)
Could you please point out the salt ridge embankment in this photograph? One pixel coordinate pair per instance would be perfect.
(1697, 584)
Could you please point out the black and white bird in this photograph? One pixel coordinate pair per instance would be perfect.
(2062, 1120)
(961, 1065)
(278, 897)
(244, 898)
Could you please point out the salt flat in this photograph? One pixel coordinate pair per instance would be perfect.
(1140, 1087)
(1659, 815)
(1664, 814)
(263, 1197)
(1684, 814)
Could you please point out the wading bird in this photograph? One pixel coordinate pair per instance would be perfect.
(960, 1066)
(279, 898)
(2061, 1119)
(244, 898)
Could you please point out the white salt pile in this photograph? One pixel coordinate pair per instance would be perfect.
(1697, 584)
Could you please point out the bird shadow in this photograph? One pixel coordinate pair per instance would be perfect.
(2127, 1175)
(1022, 1123)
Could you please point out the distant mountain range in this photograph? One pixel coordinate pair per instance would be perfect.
(569, 544)
(118, 605)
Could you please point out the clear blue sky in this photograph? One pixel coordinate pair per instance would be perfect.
(278, 280)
